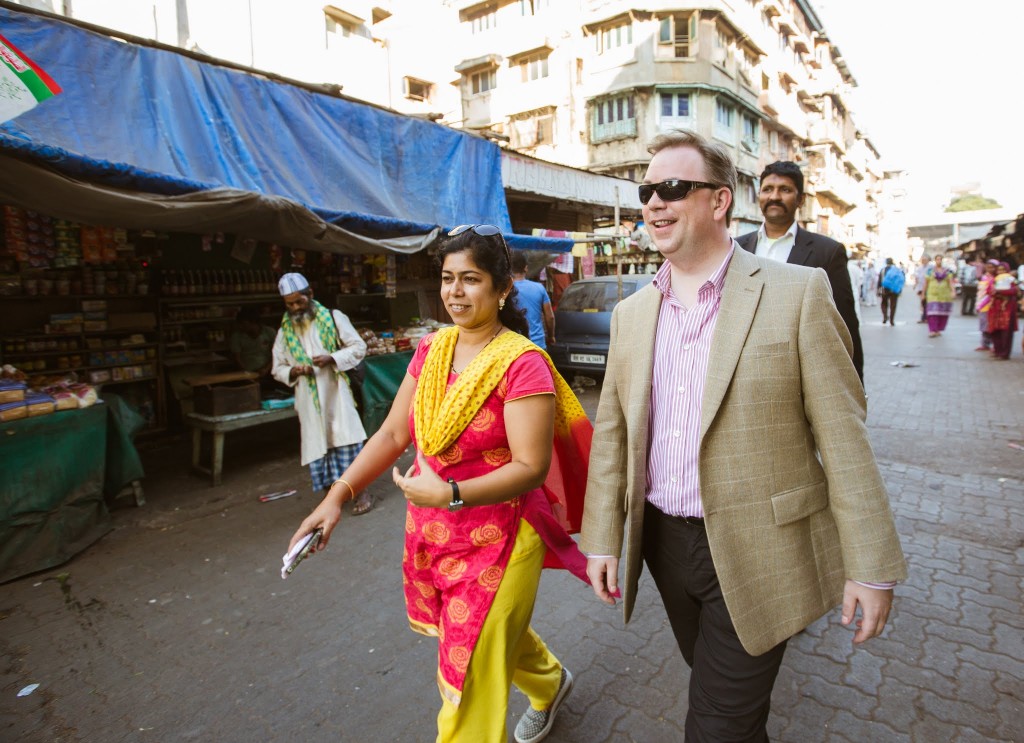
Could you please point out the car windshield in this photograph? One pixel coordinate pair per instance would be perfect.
(594, 296)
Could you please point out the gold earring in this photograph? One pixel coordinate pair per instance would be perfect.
(501, 304)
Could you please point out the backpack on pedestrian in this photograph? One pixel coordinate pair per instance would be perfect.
(893, 280)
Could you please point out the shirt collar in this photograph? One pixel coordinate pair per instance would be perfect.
(663, 279)
(791, 232)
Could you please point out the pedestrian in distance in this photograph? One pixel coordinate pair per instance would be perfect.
(891, 286)
(781, 238)
(314, 351)
(500, 470)
(857, 285)
(532, 298)
(939, 291)
(985, 303)
(1002, 312)
(967, 277)
(730, 440)
(920, 279)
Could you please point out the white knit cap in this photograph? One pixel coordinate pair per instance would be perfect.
(291, 283)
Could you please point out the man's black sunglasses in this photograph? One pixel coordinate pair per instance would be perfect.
(671, 190)
(484, 230)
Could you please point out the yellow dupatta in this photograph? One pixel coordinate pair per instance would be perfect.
(441, 414)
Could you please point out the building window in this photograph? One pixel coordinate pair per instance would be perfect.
(674, 110)
(675, 105)
(614, 118)
(773, 142)
(533, 130)
(614, 37)
(483, 21)
(481, 82)
(751, 134)
(724, 116)
(336, 31)
(678, 32)
(723, 48)
(417, 90)
(532, 7)
(534, 67)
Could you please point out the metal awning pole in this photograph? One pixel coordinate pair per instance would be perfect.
(618, 262)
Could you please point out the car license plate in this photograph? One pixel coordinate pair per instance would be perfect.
(586, 358)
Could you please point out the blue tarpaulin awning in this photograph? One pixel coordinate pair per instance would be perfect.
(152, 121)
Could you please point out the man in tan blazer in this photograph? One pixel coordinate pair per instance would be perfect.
(730, 438)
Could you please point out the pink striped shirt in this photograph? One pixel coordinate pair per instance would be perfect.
(681, 350)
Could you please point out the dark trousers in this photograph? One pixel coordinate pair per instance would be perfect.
(889, 300)
(1002, 343)
(968, 295)
(730, 690)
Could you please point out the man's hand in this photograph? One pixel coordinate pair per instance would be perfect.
(302, 370)
(604, 577)
(323, 360)
(875, 604)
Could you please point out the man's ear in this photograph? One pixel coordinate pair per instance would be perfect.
(723, 200)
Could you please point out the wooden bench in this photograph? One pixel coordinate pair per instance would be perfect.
(219, 425)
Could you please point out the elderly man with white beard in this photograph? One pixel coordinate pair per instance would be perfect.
(313, 349)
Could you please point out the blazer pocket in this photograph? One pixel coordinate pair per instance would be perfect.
(770, 349)
(799, 503)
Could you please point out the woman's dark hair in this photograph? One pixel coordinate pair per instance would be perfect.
(491, 255)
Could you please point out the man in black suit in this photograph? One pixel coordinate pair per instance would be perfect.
(780, 238)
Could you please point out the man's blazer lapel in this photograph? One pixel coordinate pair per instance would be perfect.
(643, 330)
(803, 244)
(740, 297)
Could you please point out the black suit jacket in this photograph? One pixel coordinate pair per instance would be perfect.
(818, 251)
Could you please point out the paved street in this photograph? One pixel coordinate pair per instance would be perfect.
(176, 626)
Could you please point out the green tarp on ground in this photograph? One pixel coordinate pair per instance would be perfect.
(51, 489)
(384, 375)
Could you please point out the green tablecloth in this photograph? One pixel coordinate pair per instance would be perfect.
(384, 375)
(51, 489)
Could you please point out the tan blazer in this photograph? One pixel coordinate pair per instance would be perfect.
(786, 527)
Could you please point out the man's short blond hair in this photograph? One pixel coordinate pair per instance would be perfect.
(718, 164)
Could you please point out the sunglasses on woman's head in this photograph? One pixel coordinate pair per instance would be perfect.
(484, 230)
(673, 189)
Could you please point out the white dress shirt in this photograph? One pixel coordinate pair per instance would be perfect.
(776, 249)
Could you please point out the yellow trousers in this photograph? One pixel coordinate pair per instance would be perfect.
(508, 652)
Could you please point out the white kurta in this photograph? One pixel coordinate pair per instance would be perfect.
(337, 423)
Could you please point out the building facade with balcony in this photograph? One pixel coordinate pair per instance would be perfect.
(583, 83)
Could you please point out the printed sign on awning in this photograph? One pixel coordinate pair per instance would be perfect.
(23, 83)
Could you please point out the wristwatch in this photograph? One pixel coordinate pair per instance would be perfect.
(457, 501)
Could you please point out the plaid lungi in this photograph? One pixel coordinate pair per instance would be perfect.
(326, 470)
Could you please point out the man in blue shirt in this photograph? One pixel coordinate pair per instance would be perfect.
(533, 299)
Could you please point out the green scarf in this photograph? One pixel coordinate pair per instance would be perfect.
(328, 337)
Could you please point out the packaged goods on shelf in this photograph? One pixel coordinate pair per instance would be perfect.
(39, 403)
(12, 391)
(12, 411)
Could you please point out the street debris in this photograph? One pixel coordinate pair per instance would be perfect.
(274, 496)
(28, 690)
(1018, 447)
(903, 364)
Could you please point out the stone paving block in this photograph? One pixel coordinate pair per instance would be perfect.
(1010, 712)
(853, 728)
(839, 696)
(960, 635)
(960, 713)
(897, 703)
(916, 677)
(865, 672)
(812, 723)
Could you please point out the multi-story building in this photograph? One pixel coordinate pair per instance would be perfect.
(583, 83)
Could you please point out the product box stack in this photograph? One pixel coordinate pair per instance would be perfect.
(29, 237)
(18, 400)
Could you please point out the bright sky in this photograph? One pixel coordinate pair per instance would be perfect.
(939, 91)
